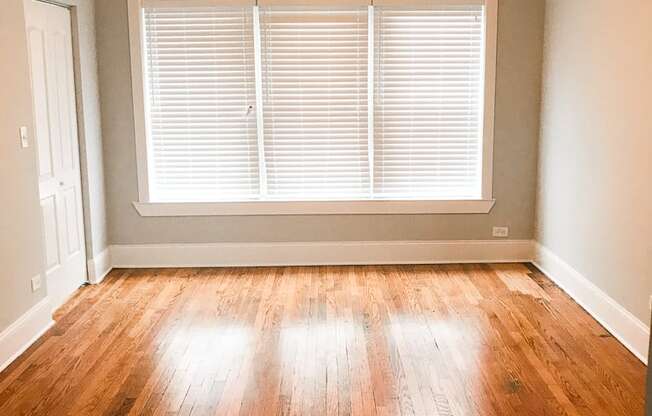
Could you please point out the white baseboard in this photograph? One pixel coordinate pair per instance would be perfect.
(627, 328)
(24, 331)
(320, 253)
(99, 266)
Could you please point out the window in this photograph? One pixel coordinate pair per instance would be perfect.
(314, 71)
(288, 107)
(200, 84)
(428, 102)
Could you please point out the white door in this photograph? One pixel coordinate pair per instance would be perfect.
(50, 47)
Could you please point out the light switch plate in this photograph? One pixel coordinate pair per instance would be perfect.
(36, 283)
(24, 140)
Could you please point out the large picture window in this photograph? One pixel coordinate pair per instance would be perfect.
(339, 106)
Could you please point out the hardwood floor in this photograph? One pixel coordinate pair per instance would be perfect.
(372, 340)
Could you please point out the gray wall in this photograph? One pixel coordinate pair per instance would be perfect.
(21, 251)
(595, 199)
(516, 135)
(90, 128)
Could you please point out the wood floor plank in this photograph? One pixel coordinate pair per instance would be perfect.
(361, 340)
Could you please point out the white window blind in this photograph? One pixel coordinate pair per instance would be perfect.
(428, 102)
(314, 76)
(320, 100)
(200, 90)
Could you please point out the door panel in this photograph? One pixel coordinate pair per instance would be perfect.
(51, 64)
(72, 219)
(59, 41)
(37, 48)
(50, 232)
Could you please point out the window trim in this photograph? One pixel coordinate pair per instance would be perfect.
(247, 208)
(146, 208)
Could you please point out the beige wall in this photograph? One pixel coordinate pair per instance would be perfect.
(21, 252)
(517, 126)
(648, 401)
(595, 197)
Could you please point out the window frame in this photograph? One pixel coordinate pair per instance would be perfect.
(147, 208)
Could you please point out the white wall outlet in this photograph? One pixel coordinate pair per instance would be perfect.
(501, 232)
(36, 283)
(24, 140)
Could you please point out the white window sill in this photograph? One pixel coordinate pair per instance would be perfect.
(206, 209)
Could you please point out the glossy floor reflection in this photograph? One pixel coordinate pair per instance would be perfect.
(372, 340)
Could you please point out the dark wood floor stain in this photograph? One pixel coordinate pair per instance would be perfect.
(362, 340)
